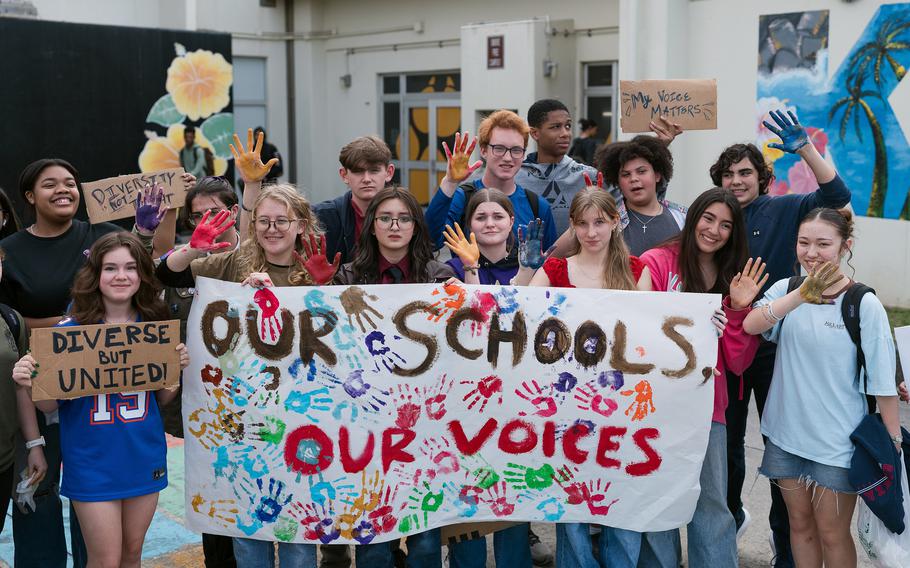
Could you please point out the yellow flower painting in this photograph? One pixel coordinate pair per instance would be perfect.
(163, 152)
(200, 83)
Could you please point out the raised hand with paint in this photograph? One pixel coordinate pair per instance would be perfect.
(114, 444)
(530, 246)
(459, 166)
(315, 262)
(150, 208)
(248, 161)
(206, 233)
(792, 135)
(466, 250)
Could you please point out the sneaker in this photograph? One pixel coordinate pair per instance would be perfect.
(541, 554)
(747, 518)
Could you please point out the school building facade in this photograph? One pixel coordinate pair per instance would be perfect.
(317, 73)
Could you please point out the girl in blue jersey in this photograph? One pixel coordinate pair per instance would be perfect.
(113, 445)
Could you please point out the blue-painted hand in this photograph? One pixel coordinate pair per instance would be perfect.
(793, 136)
(530, 247)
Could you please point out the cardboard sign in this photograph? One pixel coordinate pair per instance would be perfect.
(362, 414)
(112, 358)
(692, 103)
(115, 198)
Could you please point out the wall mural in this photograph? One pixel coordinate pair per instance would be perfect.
(848, 117)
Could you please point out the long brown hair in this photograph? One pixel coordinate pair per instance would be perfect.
(490, 195)
(251, 256)
(617, 273)
(730, 259)
(420, 252)
(88, 306)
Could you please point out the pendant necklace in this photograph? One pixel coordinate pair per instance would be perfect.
(644, 225)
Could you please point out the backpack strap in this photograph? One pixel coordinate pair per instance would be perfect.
(469, 191)
(794, 283)
(533, 201)
(12, 321)
(850, 313)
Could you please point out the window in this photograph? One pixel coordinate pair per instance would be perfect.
(418, 112)
(599, 98)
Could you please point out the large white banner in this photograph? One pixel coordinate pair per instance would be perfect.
(361, 414)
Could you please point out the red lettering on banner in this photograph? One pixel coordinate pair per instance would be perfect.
(549, 439)
(650, 465)
(570, 443)
(472, 446)
(348, 462)
(606, 444)
(308, 450)
(394, 451)
(512, 446)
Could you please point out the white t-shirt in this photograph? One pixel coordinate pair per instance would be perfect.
(816, 398)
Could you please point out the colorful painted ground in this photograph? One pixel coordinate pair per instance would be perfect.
(168, 543)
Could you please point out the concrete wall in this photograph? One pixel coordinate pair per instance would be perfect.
(718, 39)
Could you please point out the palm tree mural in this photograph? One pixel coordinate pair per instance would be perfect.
(853, 103)
(879, 50)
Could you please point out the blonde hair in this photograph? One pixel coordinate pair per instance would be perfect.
(617, 273)
(251, 256)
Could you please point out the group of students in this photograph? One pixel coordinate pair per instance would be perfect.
(528, 219)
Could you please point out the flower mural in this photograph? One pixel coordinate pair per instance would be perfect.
(198, 87)
(848, 118)
(163, 152)
(199, 83)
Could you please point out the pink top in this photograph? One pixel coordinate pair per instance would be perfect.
(736, 348)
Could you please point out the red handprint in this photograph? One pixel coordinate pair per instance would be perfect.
(268, 308)
(208, 230)
(211, 375)
(441, 455)
(483, 391)
(543, 405)
(590, 399)
(383, 517)
(574, 490)
(594, 497)
(498, 499)
(407, 405)
(314, 260)
(435, 403)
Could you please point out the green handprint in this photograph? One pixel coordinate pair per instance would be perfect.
(524, 477)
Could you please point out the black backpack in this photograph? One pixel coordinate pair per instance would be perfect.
(469, 190)
(12, 321)
(850, 312)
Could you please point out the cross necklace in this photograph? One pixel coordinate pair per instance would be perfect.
(644, 225)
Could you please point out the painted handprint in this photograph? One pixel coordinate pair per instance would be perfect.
(408, 405)
(643, 403)
(595, 497)
(544, 405)
(222, 511)
(589, 399)
(309, 403)
(249, 160)
(285, 529)
(211, 375)
(507, 300)
(459, 167)
(484, 390)
(381, 353)
(551, 509)
(479, 472)
(339, 489)
(266, 503)
(791, 133)
(497, 497)
(612, 379)
(354, 302)
(314, 260)
(466, 498)
(319, 523)
(422, 501)
(208, 432)
(370, 492)
(363, 395)
(439, 452)
(524, 477)
(384, 517)
(435, 398)
(269, 323)
(444, 307)
(563, 385)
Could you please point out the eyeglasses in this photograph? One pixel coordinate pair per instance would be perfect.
(282, 224)
(404, 221)
(196, 218)
(499, 150)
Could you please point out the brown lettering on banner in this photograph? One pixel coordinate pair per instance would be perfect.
(115, 198)
(112, 358)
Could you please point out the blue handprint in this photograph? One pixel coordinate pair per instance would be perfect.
(530, 245)
(552, 510)
(322, 491)
(465, 497)
(270, 504)
(307, 403)
(793, 136)
(381, 353)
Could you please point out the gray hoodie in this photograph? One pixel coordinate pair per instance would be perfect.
(557, 183)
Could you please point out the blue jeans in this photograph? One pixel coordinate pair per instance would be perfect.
(374, 555)
(573, 546)
(510, 548)
(38, 536)
(628, 549)
(250, 553)
(425, 550)
(711, 534)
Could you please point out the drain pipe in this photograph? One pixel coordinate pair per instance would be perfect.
(291, 159)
